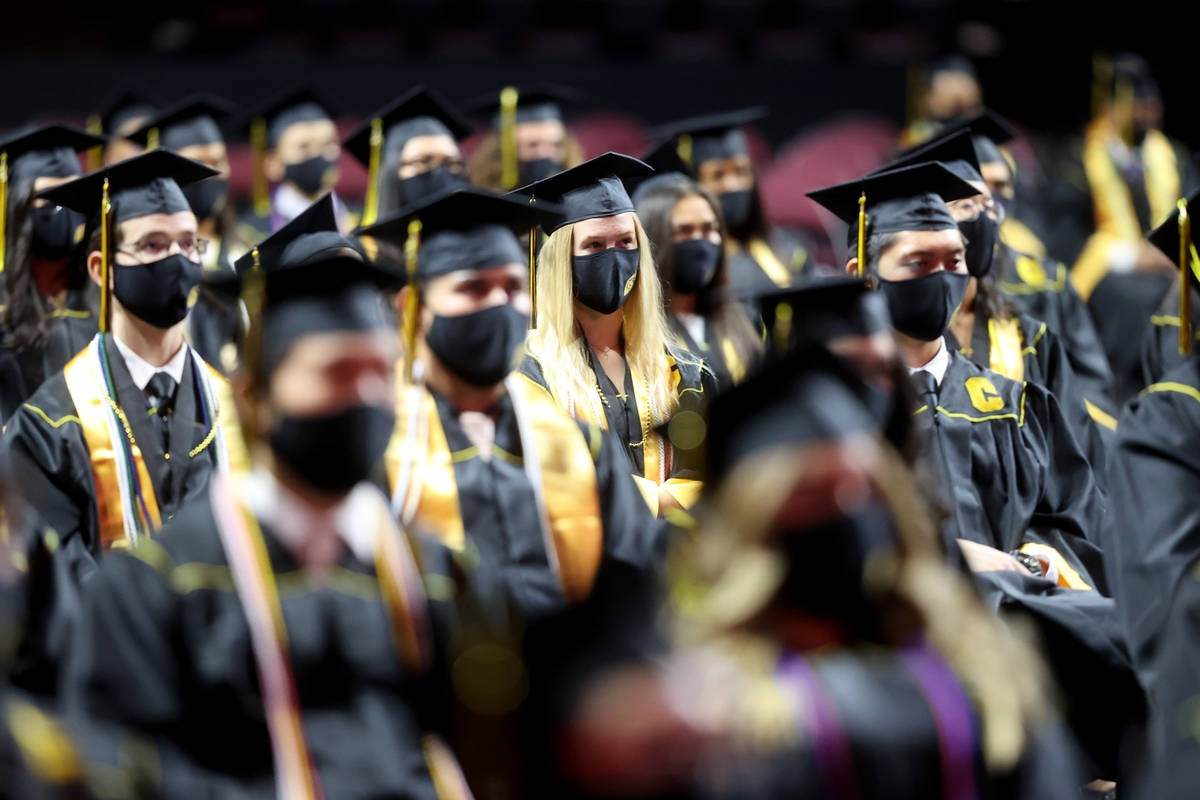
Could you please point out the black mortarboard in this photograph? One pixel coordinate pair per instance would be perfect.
(146, 184)
(532, 103)
(136, 187)
(906, 199)
(669, 169)
(1171, 237)
(127, 104)
(467, 228)
(283, 109)
(950, 63)
(192, 121)
(1133, 70)
(988, 130)
(593, 189)
(314, 279)
(804, 398)
(955, 150)
(710, 137)
(420, 112)
(48, 151)
(821, 310)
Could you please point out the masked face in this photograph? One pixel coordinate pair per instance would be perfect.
(981, 234)
(480, 347)
(428, 184)
(736, 207)
(207, 198)
(332, 452)
(603, 280)
(312, 175)
(696, 262)
(536, 170)
(157, 292)
(922, 307)
(55, 231)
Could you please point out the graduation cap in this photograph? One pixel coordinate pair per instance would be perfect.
(1174, 238)
(29, 154)
(136, 187)
(595, 188)
(821, 310)
(420, 112)
(710, 137)
(988, 130)
(516, 105)
(906, 199)
(192, 121)
(127, 104)
(265, 124)
(956, 150)
(669, 170)
(307, 277)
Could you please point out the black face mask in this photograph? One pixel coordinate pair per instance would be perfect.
(427, 184)
(826, 565)
(311, 175)
(603, 280)
(479, 347)
(333, 452)
(736, 207)
(207, 198)
(54, 229)
(982, 234)
(537, 170)
(696, 263)
(922, 307)
(157, 292)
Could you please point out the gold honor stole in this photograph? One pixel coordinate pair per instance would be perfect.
(1116, 220)
(558, 461)
(765, 257)
(125, 501)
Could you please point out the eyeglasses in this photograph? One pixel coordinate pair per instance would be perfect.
(154, 246)
(972, 207)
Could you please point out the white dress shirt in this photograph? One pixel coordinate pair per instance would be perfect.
(142, 370)
(937, 365)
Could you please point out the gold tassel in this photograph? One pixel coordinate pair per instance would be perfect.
(254, 292)
(1185, 284)
(1123, 101)
(684, 148)
(783, 328)
(412, 247)
(105, 210)
(371, 206)
(152, 139)
(3, 210)
(258, 154)
(532, 276)
(95, 155)
(862, 234)
(509, 173)
(1101, 78)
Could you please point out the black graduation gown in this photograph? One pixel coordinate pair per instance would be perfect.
(23, 371)
(1160, 339)
(500, 516)
(882, 723)
(1121, 306)
(39, 760)
(1045, 363)
(1040, 287)
(1010, 470)
(1154, 475)
(709, 351)
(696, 387)
(164, 651)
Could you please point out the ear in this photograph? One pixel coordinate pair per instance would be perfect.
(93, 267)
(402, 298)
(272, 168)
(852, 266)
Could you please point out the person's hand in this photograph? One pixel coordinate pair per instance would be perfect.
(1152, 260)
(981, 558)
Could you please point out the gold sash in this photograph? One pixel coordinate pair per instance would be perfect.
(92, 404)
(761, 252)
(565, 467)
(1006, 356)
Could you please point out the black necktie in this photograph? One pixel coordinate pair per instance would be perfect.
(160, 396)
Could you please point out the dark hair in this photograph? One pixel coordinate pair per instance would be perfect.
(26, 319)
(715, 303)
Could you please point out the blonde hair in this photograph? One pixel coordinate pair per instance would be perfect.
(558, 344)
(996, 663)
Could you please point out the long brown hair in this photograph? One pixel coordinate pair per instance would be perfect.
(485, 168)
(715, 303)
